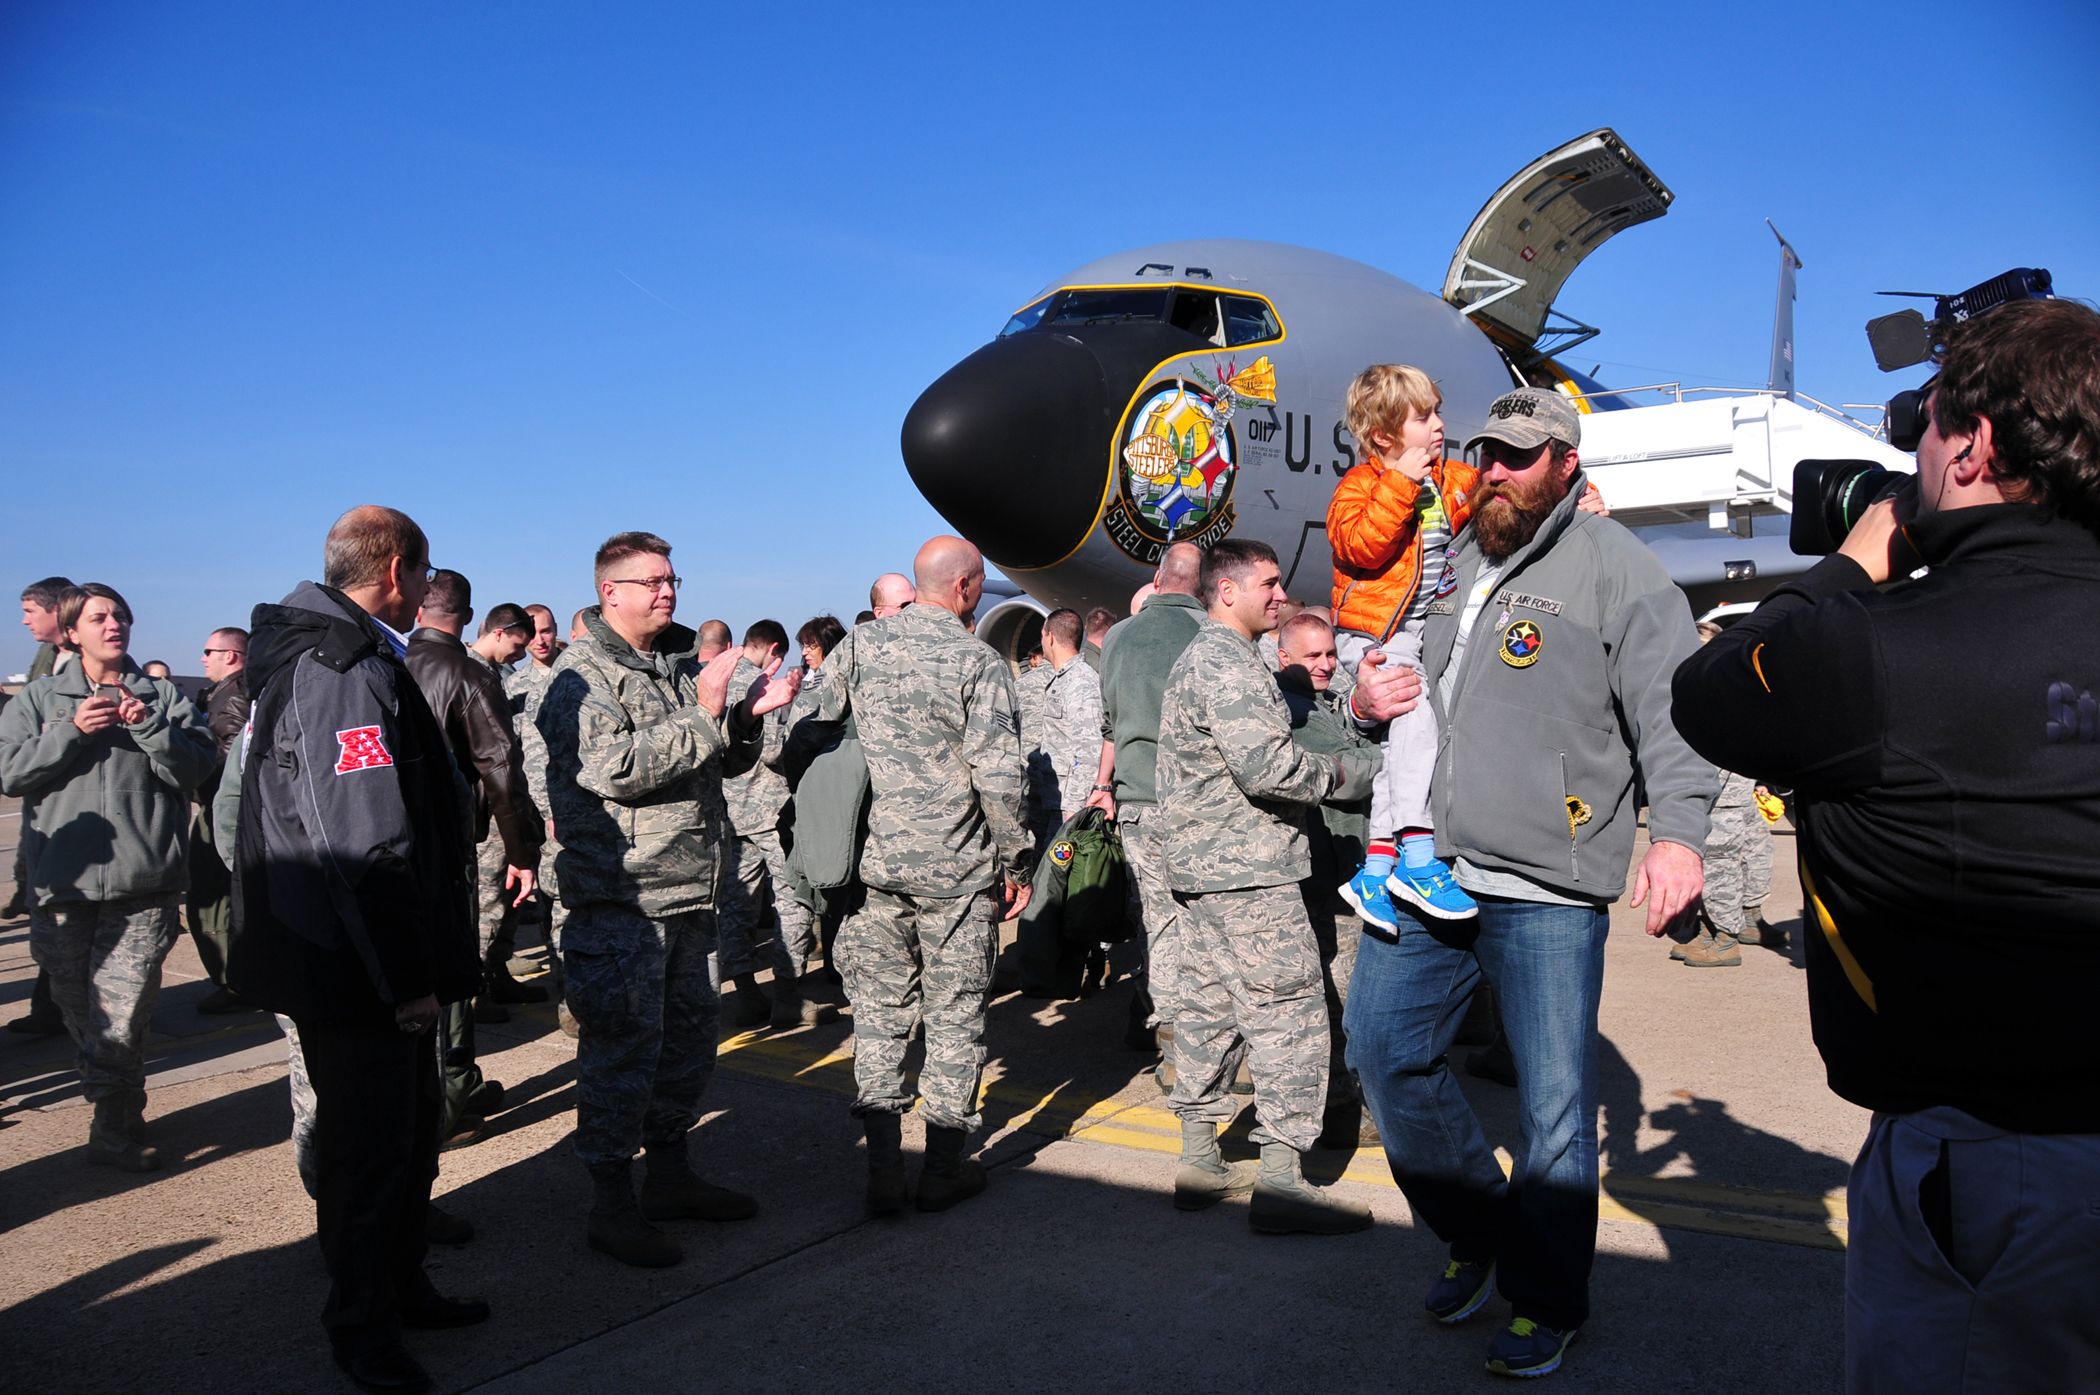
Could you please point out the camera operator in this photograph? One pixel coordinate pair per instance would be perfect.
(1943, 742)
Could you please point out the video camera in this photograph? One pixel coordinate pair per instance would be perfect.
(1907, 338)
(1830, 496)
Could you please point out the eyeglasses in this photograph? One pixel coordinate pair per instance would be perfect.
(654, 583)
(209, 652)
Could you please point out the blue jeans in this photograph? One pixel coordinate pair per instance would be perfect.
(1546, 963)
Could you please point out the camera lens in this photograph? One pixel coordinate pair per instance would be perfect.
(1830, 496)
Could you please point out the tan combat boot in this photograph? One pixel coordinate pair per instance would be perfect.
(1204, 1178)
(110, 1142)
(1715, 950)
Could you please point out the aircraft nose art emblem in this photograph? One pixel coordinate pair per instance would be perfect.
(1178, 459)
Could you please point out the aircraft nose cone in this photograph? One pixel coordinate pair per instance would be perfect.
(1011, 447)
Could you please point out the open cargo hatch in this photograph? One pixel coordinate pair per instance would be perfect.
(1537, 229)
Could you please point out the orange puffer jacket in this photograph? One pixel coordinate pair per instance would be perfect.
(1372, 527)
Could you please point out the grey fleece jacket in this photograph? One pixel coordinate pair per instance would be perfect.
(1560, 718)
(104, 817)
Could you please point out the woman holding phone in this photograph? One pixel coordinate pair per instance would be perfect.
(104, 760)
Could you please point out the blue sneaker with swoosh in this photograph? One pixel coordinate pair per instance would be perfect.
(1528, 1348)
(1433, 891)
(1366, 894)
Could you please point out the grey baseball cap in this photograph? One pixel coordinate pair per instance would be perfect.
(1528, 418)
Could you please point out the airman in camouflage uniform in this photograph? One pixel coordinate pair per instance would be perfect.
(634, 782)
(936, 718)
(1069, 752)
(759, 875)
(1232, 787)
(1338, 830)
(1738, 873)
(1029, 686)
(526, 687)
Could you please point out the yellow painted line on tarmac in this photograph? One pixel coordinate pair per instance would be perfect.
(1670, 1203)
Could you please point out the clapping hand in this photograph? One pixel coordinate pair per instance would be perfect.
(771, 693)
(711, 688)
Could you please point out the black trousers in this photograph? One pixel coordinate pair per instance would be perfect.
(377, 1101)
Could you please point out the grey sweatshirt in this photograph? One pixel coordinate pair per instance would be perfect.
(1560, 715)
(104, 817)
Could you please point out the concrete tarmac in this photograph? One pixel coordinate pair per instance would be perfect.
(1719, 1265)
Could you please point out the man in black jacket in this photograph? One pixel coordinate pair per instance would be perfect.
(1942, 740)
(210, 903)
(466, 695)
(354, 916)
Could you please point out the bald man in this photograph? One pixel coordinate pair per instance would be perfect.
(714, 639)
(890, 594)
(947, 859)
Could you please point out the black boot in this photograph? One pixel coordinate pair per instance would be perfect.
(616, 1226)
(44, 1019)
(1136, 1035)
(753, 1008)
(672, 1191)
(441, 1227)
(505, 989)
(947, 1177)
(886, 1189)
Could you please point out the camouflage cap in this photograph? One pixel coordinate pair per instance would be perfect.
(1528, 418)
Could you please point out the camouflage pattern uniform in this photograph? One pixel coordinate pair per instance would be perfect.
(527, 688)
(758, 865)
(1029, 687)
(1338, 831)
(935, 711)
(1738, 857)
(1068, 750)
(105, 958)
(1232, 786)
(636, 791)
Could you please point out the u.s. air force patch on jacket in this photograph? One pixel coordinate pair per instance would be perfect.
(1061, 852)
(1521, 643)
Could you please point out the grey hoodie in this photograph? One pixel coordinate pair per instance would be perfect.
(104, 817)
(1561, 713)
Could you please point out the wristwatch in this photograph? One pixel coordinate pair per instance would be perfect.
(1109, 789)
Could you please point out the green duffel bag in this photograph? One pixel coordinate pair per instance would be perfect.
(1081, 887)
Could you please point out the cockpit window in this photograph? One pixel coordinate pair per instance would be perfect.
(1249, 321)
(1107, 307)
(1197, 312)
(1028, 318)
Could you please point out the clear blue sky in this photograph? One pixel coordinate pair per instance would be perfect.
(537, 273)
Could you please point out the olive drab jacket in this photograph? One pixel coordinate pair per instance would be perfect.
(632, 773)
(105, 817)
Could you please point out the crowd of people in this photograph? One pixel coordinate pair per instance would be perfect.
(1341, 825)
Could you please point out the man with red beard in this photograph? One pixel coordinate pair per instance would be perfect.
(1548, 656)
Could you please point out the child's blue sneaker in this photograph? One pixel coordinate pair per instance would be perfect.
(1366, 893)
(1432, 890)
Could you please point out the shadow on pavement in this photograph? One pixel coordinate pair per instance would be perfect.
(258, 1116)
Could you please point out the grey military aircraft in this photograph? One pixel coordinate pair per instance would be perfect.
(1193, 390)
